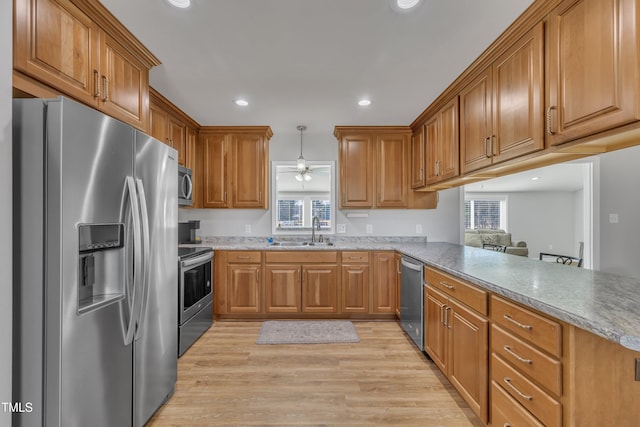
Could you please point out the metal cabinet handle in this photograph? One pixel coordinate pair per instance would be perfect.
(517, 356)
(258, 276)
(105, 82)
(515, 322)
(96, 84)
(446, 285)
(506, 425)
(549, 130)
(507, 381)
(491, 143)
(486, 143)
(442, 315)
(446, 316)
(355, 257)
(243, 257)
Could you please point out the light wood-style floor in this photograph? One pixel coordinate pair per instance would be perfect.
(226, 379)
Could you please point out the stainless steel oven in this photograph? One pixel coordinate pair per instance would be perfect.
(195, 297)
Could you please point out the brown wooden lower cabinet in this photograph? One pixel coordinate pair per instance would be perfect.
(383, 295)
(355, 288)
(243, 288)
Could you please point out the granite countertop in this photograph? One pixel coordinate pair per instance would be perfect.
(607, 305)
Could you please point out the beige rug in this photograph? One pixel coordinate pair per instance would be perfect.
(307, 332)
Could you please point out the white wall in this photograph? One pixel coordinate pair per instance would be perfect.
(441, 224)
(6, 17)
(619, 194)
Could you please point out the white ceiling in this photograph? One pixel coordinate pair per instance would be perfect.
(310, 61)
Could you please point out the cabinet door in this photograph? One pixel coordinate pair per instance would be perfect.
(249, 171)
(356, 171)
(418, 159)
(320, 288)
(469, 360)
(124, 84)
(355, 288)
(178, 137)
(215, 184)
(193, 161)
(243, 288)
(435, 331)
(448, 152)
(518, 77)
(282, 288)
(392, 175)
(593, 67)
(56, 43)
(431, 136)
(383, 286)
(398, 259)
(475, 123)
(158, 123)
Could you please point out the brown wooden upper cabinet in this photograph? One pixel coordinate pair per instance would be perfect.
(418, 159)
(442, 144)
(501, 110)
(65, 48)
(593, 68)
(235, 166)
(374, 165)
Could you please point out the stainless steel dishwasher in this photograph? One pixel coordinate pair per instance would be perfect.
(411, 300)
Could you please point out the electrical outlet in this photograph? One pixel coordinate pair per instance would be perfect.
(369, 228)
(613, 218)
(418, 228)
(341, 228)
(550, 247)
(247, 228)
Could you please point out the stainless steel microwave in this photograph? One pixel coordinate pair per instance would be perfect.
(185, 187)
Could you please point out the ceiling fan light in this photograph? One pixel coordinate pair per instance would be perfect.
(407, 4)
(299, 178)
(301, 165)
(307, 177)
(180, 3)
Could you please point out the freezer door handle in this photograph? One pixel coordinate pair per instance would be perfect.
(146, 273)
(133, 295)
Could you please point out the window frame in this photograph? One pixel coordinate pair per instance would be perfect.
(472, 197)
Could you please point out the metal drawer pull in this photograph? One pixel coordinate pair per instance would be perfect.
(506, 425)
(515, 322)
(243, 257)
(507, 381)
(446, 285)
(355, 257)
(517, 356)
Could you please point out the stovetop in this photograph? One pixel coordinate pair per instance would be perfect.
(184, 253)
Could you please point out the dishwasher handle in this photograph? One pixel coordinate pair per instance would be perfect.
(412, 266)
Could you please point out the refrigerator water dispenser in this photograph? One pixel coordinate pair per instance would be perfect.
(101, 265)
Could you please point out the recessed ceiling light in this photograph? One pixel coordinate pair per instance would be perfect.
(535, 178)
(241, 102)
(407, 4)
(180, 3)
(364, 102)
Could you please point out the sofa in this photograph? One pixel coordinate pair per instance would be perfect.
(476, 238)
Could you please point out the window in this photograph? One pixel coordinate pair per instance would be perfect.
(322, 209)
(290, 213)
(486, 213)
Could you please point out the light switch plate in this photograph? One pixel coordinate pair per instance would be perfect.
(369, 228)
(247, 228)
(341, 228)
(418, 228)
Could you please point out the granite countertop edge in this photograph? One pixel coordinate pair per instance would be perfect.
(604, 304)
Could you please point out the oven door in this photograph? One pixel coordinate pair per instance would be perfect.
(196, 288)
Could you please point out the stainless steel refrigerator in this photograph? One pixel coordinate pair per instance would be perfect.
(95, 274)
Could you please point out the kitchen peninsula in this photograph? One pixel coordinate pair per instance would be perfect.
(593, 319)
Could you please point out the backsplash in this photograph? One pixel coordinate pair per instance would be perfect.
(335, 239)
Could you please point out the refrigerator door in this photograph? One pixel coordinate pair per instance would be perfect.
(156, 340)
(87, 366)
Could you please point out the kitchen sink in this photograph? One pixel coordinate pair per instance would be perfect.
(290, 244)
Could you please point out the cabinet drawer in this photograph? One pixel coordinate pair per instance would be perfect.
(543, 332)
(543, 369)
(463, 292)
(359, 257)
(533, 398)
(244, 256)
(507, 412)
(301, 257)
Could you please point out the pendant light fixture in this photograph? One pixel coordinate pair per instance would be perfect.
(301, 165)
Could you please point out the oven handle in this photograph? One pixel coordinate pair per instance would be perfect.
(200, 259)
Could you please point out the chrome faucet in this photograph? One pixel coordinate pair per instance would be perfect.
(315, 221)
